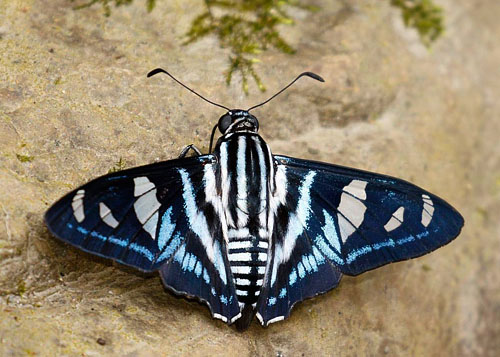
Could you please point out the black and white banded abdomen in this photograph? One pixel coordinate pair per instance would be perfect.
(246, 175)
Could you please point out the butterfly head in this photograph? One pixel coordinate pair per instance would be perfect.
(238, 120)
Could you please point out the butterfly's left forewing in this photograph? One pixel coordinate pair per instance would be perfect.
(336, 220)
(155, 217)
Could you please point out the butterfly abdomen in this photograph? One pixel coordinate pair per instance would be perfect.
(248, 258)
(245, 174)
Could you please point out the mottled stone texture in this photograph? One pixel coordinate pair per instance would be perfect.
(74, 99)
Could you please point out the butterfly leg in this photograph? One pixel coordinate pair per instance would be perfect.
(186, 149)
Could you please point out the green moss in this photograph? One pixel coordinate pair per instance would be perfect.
(247, 28)
(21, 288)
(482, 212)
(424, 16)
(425, 267)
(118, 166)
(106, 4)
(25, 158)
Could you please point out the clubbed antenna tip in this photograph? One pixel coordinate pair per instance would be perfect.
(312, 75)
(155, 71)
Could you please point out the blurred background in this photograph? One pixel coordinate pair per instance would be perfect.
(411, 90)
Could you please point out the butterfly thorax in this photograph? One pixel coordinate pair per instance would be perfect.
(246, 172)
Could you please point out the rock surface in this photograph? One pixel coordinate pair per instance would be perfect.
(74, 100)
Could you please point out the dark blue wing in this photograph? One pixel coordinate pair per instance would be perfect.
(331, 220)
(155, 217)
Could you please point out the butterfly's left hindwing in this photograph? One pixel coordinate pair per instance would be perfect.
(331, 220)
(155, 217)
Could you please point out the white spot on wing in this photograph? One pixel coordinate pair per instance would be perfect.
(107, 216)
(77, 205)
(351, 209)
(427, 199)
(142, 185)
(395, 220)
(220, 317)
(276, 319)
(236, 317)
(79, 194)
(427, 211)
(150, 225)
(259, 317)
(399, 213)
(357, 189)
(147, 205)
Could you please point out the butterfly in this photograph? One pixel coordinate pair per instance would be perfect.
(248, 232)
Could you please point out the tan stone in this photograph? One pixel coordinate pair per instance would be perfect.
(74, 99)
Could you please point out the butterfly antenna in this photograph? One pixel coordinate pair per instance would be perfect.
(161, 70)
(308, 74)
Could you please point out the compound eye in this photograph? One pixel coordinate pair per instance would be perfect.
(224, 123)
